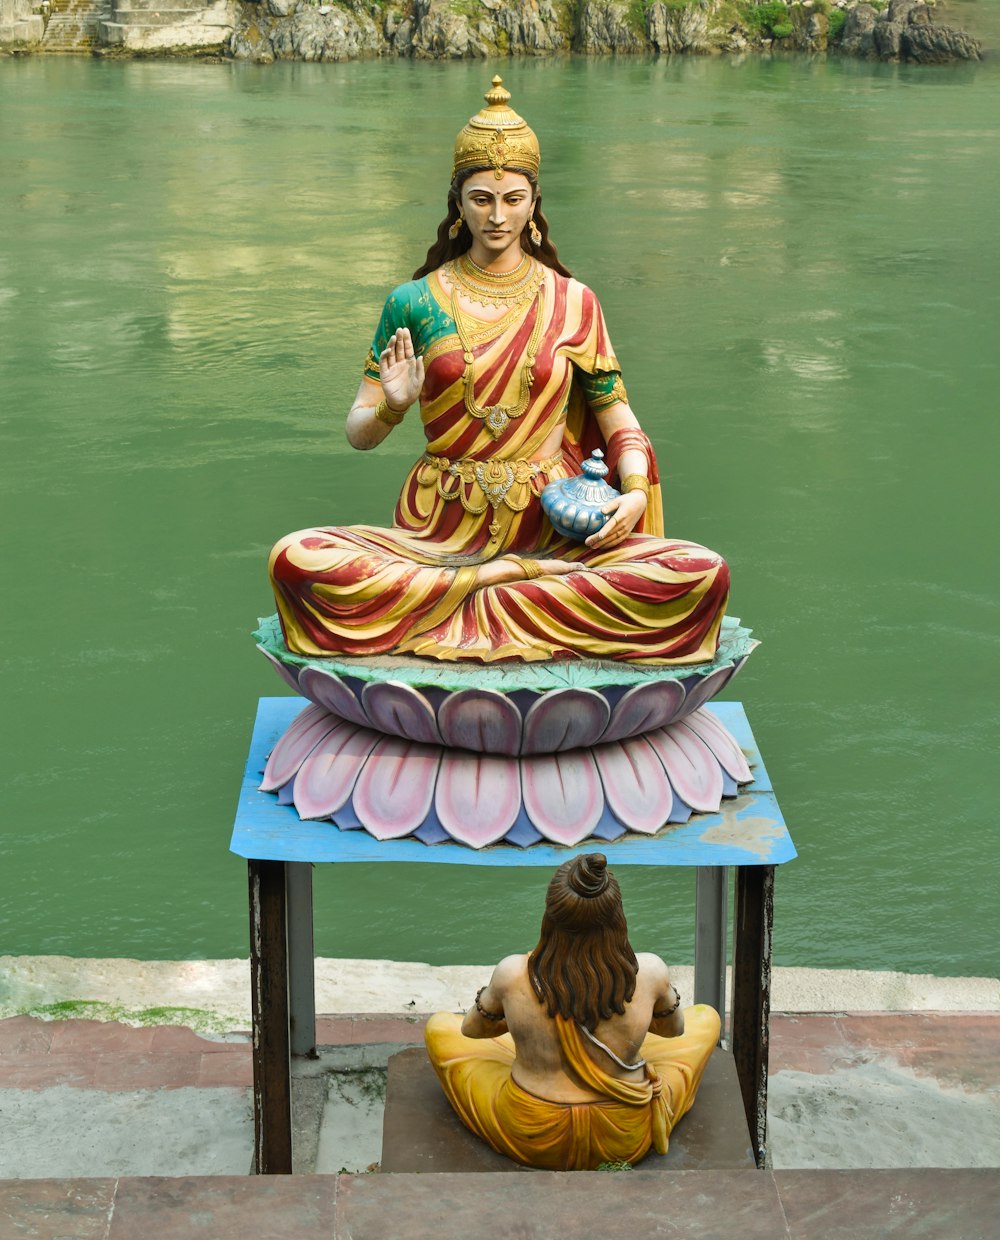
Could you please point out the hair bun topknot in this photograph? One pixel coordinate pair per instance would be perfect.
(588, 876)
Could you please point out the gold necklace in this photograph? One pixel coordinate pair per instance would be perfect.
(503, 289)
(497, 418)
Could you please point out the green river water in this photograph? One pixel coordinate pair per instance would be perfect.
(799, 264)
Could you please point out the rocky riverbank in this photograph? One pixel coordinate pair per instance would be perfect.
(902, 30)
(269, 30)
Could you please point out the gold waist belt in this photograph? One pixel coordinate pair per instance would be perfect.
(499, 482)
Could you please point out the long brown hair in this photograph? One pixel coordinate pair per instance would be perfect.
(584, 967)
(446, 247)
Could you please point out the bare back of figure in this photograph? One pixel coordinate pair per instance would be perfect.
(578, 1053)
(540, 1066)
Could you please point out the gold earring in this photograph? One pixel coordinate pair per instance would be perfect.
(456, 228)
(534, 233)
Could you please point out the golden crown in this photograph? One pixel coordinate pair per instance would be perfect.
(496, 137)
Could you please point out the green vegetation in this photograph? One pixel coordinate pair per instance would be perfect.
(838, 20)
(356, 1086)
(614, 1166)
(197, 1019)
(466, 8)
(635, 16)
(761, 19)
(782, 30)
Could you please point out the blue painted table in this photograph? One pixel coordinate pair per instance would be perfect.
(747, 833)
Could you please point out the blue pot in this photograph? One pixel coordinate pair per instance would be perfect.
(573, 505)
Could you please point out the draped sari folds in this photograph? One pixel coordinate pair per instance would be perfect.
(637, 1116)
(410, 588)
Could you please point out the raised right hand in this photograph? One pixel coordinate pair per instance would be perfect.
(401, 371)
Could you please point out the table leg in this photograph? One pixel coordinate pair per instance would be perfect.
(711, 916)
(301, 958)
(753, 921)
(272, 1082)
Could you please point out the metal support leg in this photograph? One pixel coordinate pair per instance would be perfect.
(752, 994)
(272, 1081)
(711, 913)
(301, 960)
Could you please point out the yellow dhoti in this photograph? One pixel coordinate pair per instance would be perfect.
(558, 1136)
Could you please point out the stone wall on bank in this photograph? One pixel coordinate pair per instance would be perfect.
(186, 26)
(19, 25)
(269, 30)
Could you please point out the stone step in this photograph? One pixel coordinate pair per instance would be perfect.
(74, 25)
(160, 17)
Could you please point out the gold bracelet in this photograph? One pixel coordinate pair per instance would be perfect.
(635, 482)
(531, 568)
(385, 413)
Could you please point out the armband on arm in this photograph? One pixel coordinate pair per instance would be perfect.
(603, 389)
(485, 1013)
(665, 1012)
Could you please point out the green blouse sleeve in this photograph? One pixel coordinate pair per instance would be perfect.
(602, 389)
(395, 314)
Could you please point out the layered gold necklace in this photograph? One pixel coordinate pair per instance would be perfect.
(496, 418)
(503, 289)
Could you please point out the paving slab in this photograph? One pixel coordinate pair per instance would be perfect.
(595, 1205)
(877, 1205)
(76, 1209)
(226, 1208)
(78, 1132)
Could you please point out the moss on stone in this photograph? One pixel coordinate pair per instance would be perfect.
(198, 1019)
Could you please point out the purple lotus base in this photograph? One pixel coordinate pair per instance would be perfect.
(334, 768)
(514, 708)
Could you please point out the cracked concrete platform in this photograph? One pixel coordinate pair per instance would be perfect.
(80, 1097)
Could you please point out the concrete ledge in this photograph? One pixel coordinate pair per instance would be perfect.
(216, 992)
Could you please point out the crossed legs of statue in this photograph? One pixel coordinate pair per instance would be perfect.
(476, 1078)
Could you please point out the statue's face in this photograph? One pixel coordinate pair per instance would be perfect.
(497, 211)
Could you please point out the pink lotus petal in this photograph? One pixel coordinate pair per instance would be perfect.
(329, 690)
(480, 719)
(705, 689)
(400, 710)
(565, 719)
(644, 708)
(327, 777)
(563, 796)
(287, 674)
(635, 784)
(722, 743)
(690, 765)
(478, 796)
(302, 736)
(395, 789)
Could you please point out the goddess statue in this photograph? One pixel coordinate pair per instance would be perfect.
(579, 1053)
(517, 382)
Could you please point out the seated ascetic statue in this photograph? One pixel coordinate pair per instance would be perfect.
(517, 383)
(578, 1054)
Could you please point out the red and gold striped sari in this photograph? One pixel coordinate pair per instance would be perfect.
(410, 588)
